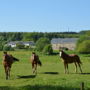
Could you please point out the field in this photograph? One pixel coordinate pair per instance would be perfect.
(50, 76)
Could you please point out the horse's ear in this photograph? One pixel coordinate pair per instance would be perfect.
(33, 52)
(5, 52)
(60, 50)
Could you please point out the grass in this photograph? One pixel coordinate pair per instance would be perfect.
(50, 76)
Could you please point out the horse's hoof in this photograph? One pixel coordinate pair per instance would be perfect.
(6, 78)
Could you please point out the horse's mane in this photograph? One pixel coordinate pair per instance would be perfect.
(64, 54)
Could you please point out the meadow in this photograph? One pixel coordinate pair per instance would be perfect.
(50, 76)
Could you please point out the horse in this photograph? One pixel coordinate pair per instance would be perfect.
(8, 60)
(72, 58)
(35, 61)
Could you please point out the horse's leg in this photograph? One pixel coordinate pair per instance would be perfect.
(64, 67)
(67, 68)
(35, 68)
(75, 67)
(6, 72)
(80, 67)
(9, 68)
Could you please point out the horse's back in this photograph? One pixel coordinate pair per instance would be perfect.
(75, 58)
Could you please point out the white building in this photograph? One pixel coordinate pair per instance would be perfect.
(27, 43)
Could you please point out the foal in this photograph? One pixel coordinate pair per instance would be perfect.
(8, 60)
(72, 58)
(35, 61)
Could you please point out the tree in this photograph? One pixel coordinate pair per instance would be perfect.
(41, 43)
(7, 48)
(84, 47)
(20, 46)
(48, 49)
(81, 39)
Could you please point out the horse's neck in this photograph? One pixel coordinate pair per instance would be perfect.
(8, 58)
(33, 57)
(64, 55)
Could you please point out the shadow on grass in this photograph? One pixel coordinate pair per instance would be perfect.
(55, 53)
(53, 73)
(38, 87)
(85, 73)
(28, 76)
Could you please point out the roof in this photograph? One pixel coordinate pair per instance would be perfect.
(63, 40)
(21, 42)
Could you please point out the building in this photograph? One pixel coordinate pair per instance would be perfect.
(69, 43)
(14, 43)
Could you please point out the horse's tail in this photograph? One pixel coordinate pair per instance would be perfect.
(15, 59)
(79, 61)
(39, 63)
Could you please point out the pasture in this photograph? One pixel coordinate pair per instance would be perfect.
(50, 76)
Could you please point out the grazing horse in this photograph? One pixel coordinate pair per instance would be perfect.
(72, 58)
(35, 61)
(8, 60)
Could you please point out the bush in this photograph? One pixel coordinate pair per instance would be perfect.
(84, 47)
(7, 48)
(81, 39)
(1, 47)
(20, 46)
(48, 49)
(41, 43)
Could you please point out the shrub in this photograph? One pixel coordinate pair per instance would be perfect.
(81, 39)
(84, 47)
(1, 47)
(7, 48)
(41, 43)
(20, 46)
(48, 49)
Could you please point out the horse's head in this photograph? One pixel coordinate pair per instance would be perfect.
(5, 52)
(60, 53)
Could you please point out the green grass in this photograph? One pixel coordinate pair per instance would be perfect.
(50, 76)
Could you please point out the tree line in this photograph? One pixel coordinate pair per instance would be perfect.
(34, 36)
(83, 44)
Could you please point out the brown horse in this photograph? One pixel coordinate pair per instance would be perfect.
(8, 60)
(35, 61)
(72, 58)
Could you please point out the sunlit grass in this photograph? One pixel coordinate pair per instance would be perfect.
(50, 75)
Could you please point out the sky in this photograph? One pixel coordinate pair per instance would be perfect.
(44, 15)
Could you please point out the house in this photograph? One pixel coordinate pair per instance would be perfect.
(69, 43)
(14, 43)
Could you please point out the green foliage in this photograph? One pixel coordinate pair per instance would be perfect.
(29, 36)
(48, 49)
(20, 46)
(34, 36)
(7, 48)
(1, 47)
(83, 38)
(83, 44)
(41, 43)
(84, 47)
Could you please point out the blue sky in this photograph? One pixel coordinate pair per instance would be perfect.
(44, 15)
